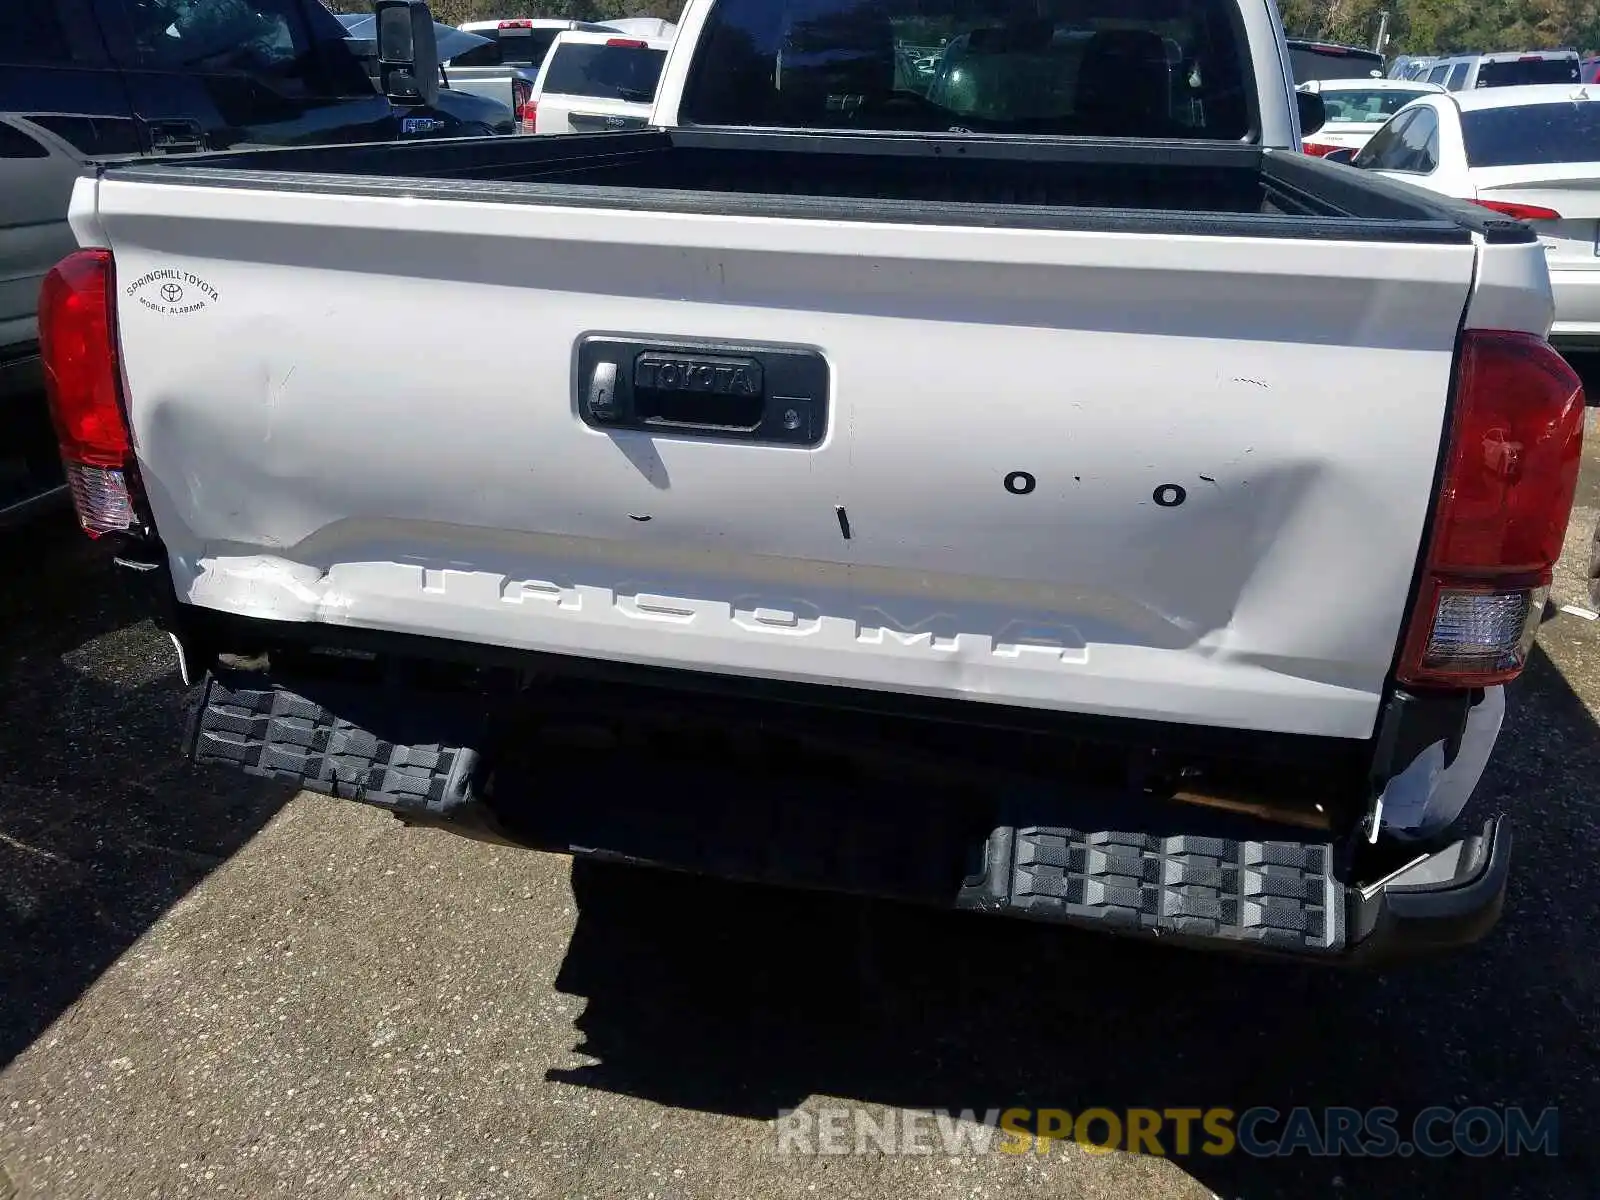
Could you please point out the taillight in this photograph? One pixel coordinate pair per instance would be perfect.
(77, 343)
(1522, 212)
(1511, 467)
(634, 42)
(1318, 149)
(515, 25)
(523, 104)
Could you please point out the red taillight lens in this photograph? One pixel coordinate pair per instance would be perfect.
(634, 42)
(1511, 468)
(1522, 212)
(515, 25)
(78, 346)
(522, 104)
(80, 361)
(1318, 149)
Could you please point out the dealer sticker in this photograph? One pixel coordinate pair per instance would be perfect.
(172, 292)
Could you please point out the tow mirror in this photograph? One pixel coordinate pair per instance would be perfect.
(408, 52)
(1313, 112)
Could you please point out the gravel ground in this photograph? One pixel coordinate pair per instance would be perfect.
(209, 987)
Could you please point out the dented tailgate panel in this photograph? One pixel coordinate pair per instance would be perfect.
(1171, 477)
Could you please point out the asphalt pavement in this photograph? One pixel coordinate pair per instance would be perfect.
(211, 987)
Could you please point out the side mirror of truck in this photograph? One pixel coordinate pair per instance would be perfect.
(1313, 112)
(1347, 156)
(408, 53)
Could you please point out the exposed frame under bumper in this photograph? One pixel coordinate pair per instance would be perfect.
(1194, 877)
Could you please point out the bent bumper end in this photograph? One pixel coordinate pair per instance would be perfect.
(1442, 901)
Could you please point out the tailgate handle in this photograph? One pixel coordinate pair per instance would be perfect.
(776, 394)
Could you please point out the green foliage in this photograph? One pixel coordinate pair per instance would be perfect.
(1447, 26)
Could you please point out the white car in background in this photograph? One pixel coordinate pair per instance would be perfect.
(1532, 153)
(1357, 109)
(591, 83)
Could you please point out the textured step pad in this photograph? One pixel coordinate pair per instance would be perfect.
(418, 752)
(1275, 894)
(365, 753)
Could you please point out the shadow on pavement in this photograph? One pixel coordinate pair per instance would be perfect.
(745, 1000)
(102, 826)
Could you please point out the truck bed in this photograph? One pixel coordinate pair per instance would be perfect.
(994, 181)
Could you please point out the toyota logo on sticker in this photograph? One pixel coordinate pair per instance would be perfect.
(171, 293)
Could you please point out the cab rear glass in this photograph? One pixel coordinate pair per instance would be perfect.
(508, 48)
(1118, 68)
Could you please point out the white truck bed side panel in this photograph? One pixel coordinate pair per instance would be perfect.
(370, 421)
(1512, 290)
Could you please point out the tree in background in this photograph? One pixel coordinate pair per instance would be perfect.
(1449, 26)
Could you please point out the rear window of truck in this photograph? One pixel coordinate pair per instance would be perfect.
(615, 72)
(1111, 68)
(508, 48)
(1532, 133)
(1308, 62)
(1528, 70)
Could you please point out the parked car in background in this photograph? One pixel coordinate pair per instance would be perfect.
(1532, 153)
(512, 45)
(1410, 66)
(1357, 108)
(109, 80)
(473, 114)
(37, 171)
(645, 27)
(120, 78)
(1328, 60)
(592, 82)
(1510, 68)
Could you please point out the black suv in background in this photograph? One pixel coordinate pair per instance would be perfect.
(109, 79)
(1326, 60)
(130, 77)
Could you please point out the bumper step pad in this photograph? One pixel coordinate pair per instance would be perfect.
(1210, 881)
(1278, 895)
(365, 753)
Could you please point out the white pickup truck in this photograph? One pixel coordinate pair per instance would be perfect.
(1162, 508)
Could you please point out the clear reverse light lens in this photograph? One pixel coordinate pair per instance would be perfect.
(1484, 631)
(101, 496)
